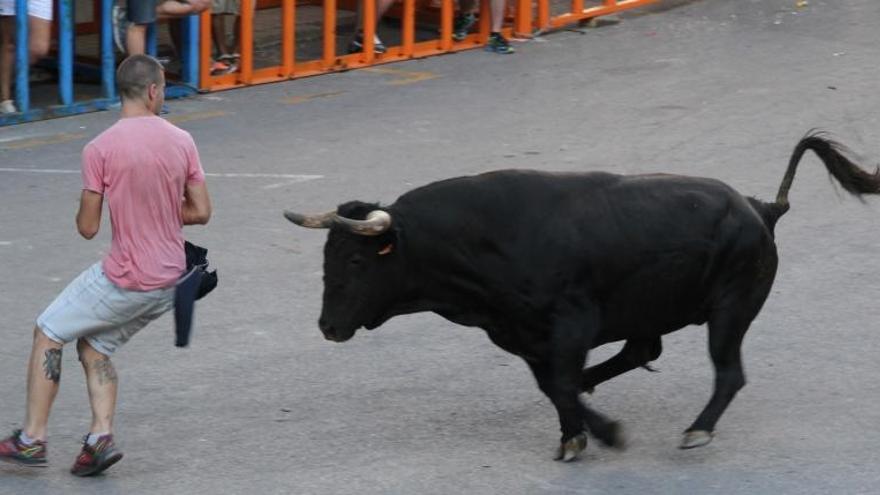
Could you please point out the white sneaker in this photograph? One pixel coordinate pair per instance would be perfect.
(7, 106)
(119, 23)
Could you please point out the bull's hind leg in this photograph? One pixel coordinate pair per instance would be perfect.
(726, 332)
(635, 353)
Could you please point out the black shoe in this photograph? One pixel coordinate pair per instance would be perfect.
(499, 44)
(461, 25)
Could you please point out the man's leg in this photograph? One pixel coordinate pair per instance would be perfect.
(498, 43)
(40, 37)
(136, 39)
(101, 382)
(44, 375)
(218, 32)
(139, 14)
(28, 447)
(497, 7)
(99, 452)
(382, 7)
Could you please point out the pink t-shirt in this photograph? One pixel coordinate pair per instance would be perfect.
(141, 166)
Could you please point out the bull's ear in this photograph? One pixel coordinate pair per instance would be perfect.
(386, 250)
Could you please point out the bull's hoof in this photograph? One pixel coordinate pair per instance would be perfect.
(694, 439)
(570, 449)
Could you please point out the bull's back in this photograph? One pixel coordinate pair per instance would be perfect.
(650, 249)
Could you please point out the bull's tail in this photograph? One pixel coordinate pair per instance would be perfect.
(853, 178)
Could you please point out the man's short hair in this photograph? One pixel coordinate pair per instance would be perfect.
(135, 74)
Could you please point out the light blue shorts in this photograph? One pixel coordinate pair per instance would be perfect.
(106, 316)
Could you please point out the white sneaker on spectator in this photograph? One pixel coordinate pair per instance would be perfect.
(357, 44)
(7, 106)
(119, 22)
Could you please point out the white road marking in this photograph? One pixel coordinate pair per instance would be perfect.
(296, 177)
(291, 178)
(40, 170)
(5, 243)
(288, 182)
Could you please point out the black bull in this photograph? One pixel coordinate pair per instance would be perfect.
(551, 265)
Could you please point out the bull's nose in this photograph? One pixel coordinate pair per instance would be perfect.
(328, 331)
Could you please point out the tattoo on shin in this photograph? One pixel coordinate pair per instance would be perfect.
(52, 365)
(106, 371)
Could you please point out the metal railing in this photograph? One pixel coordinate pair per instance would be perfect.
(527, 17)
(68, 67)
(578, 12)
(524, 18)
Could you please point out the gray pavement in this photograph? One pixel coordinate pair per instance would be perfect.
(260, 403)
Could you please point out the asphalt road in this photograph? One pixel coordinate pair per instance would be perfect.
(261, 403)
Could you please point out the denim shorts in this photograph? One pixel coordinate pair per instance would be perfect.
(141, 11)
(106, 316)
(226, 7)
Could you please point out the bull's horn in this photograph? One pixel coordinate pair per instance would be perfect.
(319, 221)
(377, 222)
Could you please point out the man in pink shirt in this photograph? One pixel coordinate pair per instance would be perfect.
(149, 174)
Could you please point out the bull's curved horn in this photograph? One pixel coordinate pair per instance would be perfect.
(377, 222)
(318, 221)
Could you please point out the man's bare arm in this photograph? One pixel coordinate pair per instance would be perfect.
(196, 205)
(88, 218)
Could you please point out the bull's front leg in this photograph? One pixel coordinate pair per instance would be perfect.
(564, 395)
(559, 377)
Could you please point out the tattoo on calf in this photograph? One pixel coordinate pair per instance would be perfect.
(52, 365)
(106, 371)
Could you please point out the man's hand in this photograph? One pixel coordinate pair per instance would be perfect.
(88, 218)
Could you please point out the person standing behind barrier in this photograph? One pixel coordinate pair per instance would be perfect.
(130, 22)
(466, 18)
(227, 57)
(357, 41)
(149, 173)
(462, 23)
(39, 34)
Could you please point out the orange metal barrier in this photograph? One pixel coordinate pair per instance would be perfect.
(528, 17)
(579, 12)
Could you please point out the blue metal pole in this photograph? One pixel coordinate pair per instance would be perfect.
(190, 57)
(152, 40)
(65, 51)
(108, 57)
(22, 57)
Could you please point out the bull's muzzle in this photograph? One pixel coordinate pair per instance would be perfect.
(331, 333)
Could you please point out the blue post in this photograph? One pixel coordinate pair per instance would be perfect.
(190, 35)
(152, 40)
(22, 57)
(65, 51)
(108, 57)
